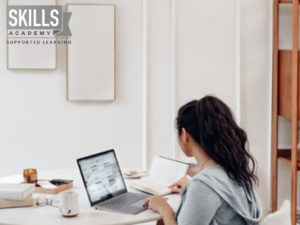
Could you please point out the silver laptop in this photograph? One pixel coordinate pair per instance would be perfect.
(105, 185)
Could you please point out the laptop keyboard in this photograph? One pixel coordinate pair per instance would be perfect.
(123, 200)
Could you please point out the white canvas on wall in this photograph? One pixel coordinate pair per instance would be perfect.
(30, 55)
(91, 53)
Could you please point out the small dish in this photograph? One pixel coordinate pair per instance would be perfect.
(134, 174)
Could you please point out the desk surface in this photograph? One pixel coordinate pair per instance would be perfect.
(49, 215)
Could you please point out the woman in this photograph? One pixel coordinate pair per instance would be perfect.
(222, 193)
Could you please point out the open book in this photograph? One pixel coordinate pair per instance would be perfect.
(164, 172)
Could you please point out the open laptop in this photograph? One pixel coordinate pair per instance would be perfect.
(105, 185)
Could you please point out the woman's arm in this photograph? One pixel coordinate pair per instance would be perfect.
(160, 205)
(167, 215)
(198, 208)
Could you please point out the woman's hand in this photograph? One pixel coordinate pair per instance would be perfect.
(178, 185)
(157, 204)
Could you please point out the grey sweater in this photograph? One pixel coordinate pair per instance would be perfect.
(212, 198)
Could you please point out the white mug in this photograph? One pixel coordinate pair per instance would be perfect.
(69, 206)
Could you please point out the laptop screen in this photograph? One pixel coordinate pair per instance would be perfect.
(102, 176)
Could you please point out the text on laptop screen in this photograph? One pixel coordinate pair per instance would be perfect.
(102, 176)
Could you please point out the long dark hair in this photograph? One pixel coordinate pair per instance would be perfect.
(211, 124)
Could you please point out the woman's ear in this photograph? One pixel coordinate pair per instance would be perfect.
(185, 136)
(184, 141)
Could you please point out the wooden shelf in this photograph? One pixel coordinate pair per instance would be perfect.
(285, 83)
(285, 102)
(285, 1)
(285, 155)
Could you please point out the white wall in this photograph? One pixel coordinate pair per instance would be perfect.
(185, 43)
(256, 73)
(205, 51)
(168, 52)
(39, 128)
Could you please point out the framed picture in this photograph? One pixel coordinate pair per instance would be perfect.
(24, 52)
(91, 53)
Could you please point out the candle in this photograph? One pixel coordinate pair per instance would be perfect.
(30, 175)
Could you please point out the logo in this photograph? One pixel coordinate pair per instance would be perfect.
(37, 21)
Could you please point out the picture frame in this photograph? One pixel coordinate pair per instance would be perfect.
(31, 56)
(90, 56)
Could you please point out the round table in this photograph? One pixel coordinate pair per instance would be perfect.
(45, 215)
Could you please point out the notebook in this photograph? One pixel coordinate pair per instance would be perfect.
(14, 191)
(46, 187)
(164, 172)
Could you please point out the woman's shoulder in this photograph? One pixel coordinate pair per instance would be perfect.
(214, 181)
(216, 170)
(199, 189)
(198, 186)
(217, 180)
(197, 192)
(214, 175)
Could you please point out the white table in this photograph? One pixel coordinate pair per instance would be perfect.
(87, 216)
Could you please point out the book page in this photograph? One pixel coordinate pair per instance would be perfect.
(163, 172)
(167, 170)
(151, 186)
